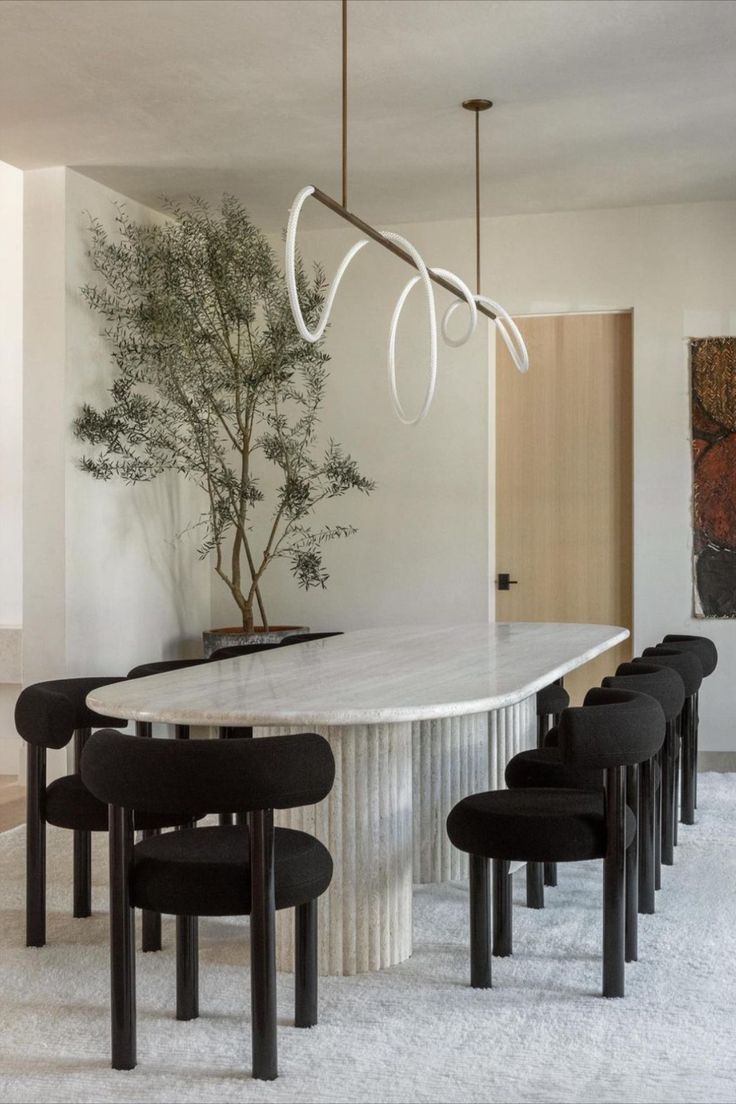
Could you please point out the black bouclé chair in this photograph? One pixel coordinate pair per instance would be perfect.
(213, 871)
(49, 715)
(611, 731)
(677, 754)
(706, 651)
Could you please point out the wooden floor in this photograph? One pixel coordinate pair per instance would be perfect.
(12, 802)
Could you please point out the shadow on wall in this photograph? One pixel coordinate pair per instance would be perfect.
(172, 555)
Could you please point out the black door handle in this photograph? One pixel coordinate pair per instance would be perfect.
(505, 582)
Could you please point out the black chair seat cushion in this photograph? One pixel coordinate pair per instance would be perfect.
(160, 667)
(543, 767)
(533, 825)
(69, 804)
(206, 871)
(551, 700)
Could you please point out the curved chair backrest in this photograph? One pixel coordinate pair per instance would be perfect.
(304, 638)
(183, 777)
(48, 713)
(702, 646)
(661, 683)
(613, 728)
(551, 700)
(161, 666)
(687, 665)
(232, 651)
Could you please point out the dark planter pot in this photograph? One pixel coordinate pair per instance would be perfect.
(213, 639)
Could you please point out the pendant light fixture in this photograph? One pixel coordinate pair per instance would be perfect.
(401, 247)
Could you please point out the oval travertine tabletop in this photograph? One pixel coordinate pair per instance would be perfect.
(372, 676)
(417, 718)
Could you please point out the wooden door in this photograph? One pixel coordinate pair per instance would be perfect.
(564, 478)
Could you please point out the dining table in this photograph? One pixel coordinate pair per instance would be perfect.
(417, 717)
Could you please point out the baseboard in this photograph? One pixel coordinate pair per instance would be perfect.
(721, 761)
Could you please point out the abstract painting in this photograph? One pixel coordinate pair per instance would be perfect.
(713, 400)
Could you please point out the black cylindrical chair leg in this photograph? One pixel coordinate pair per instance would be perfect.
(306, 964)
(550, 874)
(614, 866)
(82, 874)
(263, 946)
(502, 913)
(658, 837)
(668, 795)
(696, 738)
(150, 921)
(676, 785)
(187, 967)
(150, 929)
(480, 922)
(122, 941)
(687, 814)
(82, 880)
(632, 871)
(646, 836)
(535, 885)
(35, 847)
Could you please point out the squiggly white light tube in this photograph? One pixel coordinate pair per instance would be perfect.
(505, 324)
(296, 310)
(514, 342)
(432, 314)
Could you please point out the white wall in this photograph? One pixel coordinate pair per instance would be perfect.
(135, 588)
(107, 581)
(421, 553)
(675, 266)
(11, 383)
(11, 455)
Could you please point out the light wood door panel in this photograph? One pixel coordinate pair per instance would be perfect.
(564, 478)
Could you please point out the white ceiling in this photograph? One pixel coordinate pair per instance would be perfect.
(598, 102)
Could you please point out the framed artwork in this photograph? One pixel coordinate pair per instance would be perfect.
(713, 407)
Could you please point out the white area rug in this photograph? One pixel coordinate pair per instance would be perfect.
(412, 1033)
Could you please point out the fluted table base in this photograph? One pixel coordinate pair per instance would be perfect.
(384, 823)
(365, 918)
(454, 757)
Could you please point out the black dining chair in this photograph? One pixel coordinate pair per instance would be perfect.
(550, 702)
(220, 870)
(665, 685)
(232, 651)
(678, 743)
(612, 730)
(306, 638)
(543, 767)
(706, 651)
(642, 784)
(50, 715)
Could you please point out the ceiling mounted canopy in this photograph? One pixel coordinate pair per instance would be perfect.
(401, 247)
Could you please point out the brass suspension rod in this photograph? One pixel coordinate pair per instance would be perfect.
(364, 227)
(344, 103)
(377, 236)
